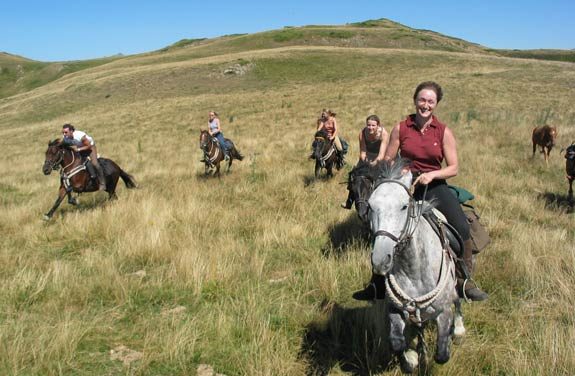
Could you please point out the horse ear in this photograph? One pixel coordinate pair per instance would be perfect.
(406, 176)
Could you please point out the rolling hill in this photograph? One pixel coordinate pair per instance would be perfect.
(252, 274)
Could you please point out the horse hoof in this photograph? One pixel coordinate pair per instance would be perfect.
(458, 330)
(409, 361)
(441, 359)
(46, 217)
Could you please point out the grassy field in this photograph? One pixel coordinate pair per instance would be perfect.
(252, 274)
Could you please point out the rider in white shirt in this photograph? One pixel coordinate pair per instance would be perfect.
(85, 145)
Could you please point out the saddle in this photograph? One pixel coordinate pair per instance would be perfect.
(447, 233)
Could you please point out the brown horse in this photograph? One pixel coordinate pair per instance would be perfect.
(74, 175)
(545, 138)
(570, 169)
(324, 153)
(213, 153)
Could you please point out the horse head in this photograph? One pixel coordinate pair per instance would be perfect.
(205, 139)
(361, 184)
(321, 144)
(391, 206)
(54, 156)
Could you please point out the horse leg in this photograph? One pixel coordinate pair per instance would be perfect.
(407, 357)
(317, 169)
(330, 170)
(229, 164)
(217, 173)
(71, 200)
(444, 323)
(570, 194)
(458, 327)
(111, 184)
(534, 149)
(61, 195)
(546, 155)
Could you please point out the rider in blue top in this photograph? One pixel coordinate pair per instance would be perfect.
(216, 131)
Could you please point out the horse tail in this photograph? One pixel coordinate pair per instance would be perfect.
(128, 179)
(236, 154)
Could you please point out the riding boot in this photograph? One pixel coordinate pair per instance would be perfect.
(101, 177)
(464, 273)
(91, 171)
(349, 202)
(374, 290)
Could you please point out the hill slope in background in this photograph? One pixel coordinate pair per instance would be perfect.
(18, 75)
(252, 273)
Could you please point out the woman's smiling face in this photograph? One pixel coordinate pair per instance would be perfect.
(371, 126)
(425, 102)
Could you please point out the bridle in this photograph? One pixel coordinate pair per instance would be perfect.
(411, 221)
(361, 200)
(54, 163)
(330, 151)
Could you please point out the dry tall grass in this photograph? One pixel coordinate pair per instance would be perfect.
(264, 260)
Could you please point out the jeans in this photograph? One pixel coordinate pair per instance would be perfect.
(222, 142)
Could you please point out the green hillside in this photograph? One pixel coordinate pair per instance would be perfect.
(252, 274)
(18, 74)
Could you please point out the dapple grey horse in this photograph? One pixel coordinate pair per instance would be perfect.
(420, 274)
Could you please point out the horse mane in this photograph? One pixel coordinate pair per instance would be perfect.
(388, 170)
(395, 171)
(361, 169)
(321, 133)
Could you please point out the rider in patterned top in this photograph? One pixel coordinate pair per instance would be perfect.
(79, 141)
(215, 130)
(328, 123)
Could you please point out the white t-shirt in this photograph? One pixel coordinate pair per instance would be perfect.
(78, 135)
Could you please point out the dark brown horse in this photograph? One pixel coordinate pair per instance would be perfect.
(74, 175)
(570, 169)
(360, 186)
(214, 155)
(544, 137)
(324, 153)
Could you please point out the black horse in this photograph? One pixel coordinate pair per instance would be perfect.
(75, 175)
(213, 153)
(360, 186)
(570, 169)
(325, 154)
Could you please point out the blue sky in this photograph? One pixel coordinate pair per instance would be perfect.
(83, 29)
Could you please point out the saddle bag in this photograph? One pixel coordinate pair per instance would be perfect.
(479, 235)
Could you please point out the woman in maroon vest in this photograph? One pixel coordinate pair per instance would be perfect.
(427, 142)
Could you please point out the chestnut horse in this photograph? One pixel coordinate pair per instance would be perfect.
(570, 168)
(74, 175)
(545, 138)
(213, 153)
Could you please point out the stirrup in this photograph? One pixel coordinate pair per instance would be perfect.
(482, 294)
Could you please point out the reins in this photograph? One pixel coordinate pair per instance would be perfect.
(329, 153)
(411, 307)
(213, 149)
(66, 176)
